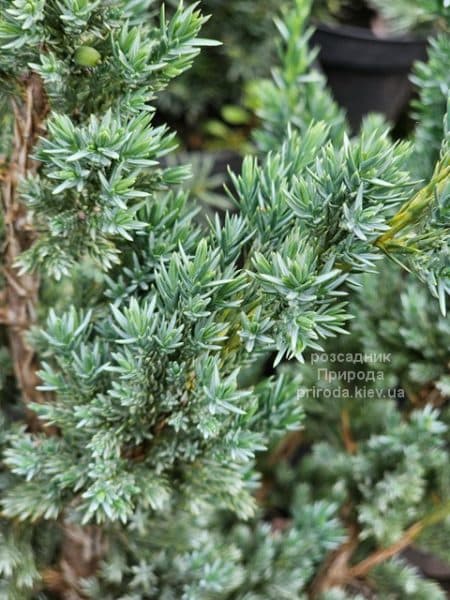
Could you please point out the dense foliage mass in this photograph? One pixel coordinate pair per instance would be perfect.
(251, 407)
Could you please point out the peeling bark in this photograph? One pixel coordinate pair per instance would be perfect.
(82, 547)
(334, 571)
(21, 291)
(81, 551)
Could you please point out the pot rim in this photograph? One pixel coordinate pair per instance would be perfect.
(364, 34)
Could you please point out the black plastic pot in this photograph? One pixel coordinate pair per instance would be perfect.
(367, 73)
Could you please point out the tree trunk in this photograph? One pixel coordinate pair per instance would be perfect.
(21, 291)
(82, 547)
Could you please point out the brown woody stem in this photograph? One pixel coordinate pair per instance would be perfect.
(82, 547)
(337, 572)
(362, 568)
(21, 291)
